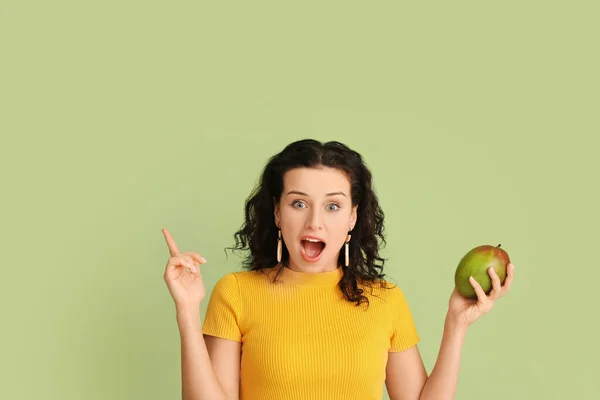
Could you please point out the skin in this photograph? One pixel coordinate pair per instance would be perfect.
(210, 365)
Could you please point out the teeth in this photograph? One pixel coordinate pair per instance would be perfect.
(312, 240)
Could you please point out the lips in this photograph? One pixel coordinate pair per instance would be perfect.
(312, 248)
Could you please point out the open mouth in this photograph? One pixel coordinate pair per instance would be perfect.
(312, 248)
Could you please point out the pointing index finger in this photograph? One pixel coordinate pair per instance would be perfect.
(170, 242)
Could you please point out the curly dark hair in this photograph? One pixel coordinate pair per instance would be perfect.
(259, 232)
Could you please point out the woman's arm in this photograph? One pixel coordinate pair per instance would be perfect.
(442, 382)
(407, 377)
(209, 368)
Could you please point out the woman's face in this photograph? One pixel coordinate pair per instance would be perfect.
(315, 214)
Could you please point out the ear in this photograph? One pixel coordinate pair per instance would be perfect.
(276, 211)
(353, 217)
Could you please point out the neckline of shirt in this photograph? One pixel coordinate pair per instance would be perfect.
(310, 279)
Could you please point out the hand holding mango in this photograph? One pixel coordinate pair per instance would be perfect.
(476, 263)
(483, 275)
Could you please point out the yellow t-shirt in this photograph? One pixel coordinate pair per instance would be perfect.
(302, 340)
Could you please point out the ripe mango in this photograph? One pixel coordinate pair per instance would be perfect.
(475, 263)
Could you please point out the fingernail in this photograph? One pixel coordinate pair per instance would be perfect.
(203, 259)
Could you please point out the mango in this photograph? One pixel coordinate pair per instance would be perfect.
(475, 263)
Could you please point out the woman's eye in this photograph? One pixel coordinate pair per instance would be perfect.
(332, 207)
(298, 204)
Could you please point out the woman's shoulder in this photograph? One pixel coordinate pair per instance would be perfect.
(234, 285)
(384, 290)
(246, 277)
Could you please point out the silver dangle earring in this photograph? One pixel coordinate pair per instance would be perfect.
(347, 250)
(279, 246)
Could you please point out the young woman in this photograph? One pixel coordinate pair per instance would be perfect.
(311, 316)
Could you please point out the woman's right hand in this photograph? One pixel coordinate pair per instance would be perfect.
(182, 275)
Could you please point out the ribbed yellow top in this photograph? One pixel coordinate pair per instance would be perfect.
(302, 340)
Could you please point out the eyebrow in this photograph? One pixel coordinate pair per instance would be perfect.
(304, 194)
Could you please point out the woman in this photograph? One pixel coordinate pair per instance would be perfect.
(312, 317)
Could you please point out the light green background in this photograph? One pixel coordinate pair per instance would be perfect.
(478, 119)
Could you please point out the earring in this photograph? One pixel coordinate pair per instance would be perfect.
(279, 245)
(347, 250)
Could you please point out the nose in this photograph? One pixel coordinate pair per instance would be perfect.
(314, 220)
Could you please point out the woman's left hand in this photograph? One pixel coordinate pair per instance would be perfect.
(464, 311)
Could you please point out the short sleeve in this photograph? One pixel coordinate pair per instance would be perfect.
(404, 332)
(224, 310)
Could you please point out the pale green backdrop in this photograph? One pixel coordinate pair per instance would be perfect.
(117, 118)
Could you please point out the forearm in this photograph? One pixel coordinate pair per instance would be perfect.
(443, 380)
(199, 381)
